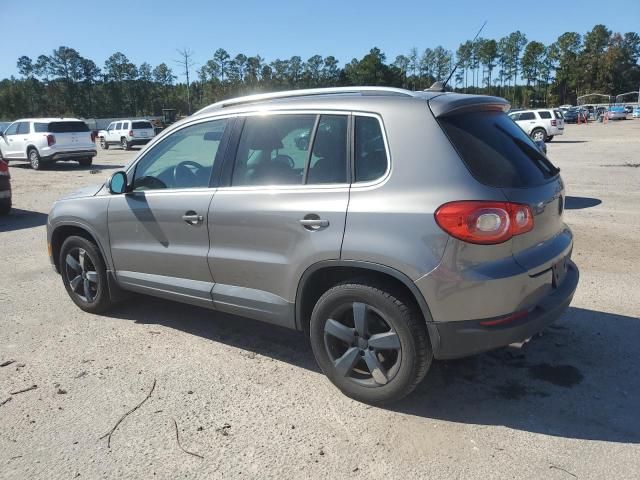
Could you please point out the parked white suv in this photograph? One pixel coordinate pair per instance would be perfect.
(47, 140)
(126, 133)
(541, 124)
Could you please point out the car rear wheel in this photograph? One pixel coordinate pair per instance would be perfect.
(5, 206)
(84, 274)
(34, 159)
(103, 144)
(371, 344)
(85, 162)
(539, 135)
(124, 143)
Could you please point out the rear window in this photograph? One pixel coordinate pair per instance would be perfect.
(141, 125)
(68, 127)
(545, 115)
(496, 150)
(557, 113)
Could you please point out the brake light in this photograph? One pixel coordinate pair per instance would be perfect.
(484, 223)
(554, 123)
(131, 133)
(4, 169)
(51, 139)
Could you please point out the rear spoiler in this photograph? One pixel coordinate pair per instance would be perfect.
(457, 103)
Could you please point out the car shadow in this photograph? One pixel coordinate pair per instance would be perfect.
(578, 203)
(577, 380)
(67, 166)
(570, 141)
(20, 219)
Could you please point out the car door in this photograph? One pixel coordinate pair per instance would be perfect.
(280, 208)
(114, 136)
(10, 141)
(109, 131)
(22, 139)
(158, 231)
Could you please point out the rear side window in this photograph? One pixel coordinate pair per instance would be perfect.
(328, 163)
(24, 128)
(68, 127)
(545, 115)
(119, 126)
(527, 116)
(497, 151)
(370, 152)
(41, 127)
(141, 125)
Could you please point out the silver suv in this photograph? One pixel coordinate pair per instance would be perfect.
(389, 226)
(47, 140)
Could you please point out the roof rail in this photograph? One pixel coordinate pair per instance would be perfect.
(261, 97)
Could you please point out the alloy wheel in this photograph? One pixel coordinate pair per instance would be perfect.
(81, 274)
(362, 345)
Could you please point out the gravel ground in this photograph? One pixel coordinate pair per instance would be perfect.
(249, 399)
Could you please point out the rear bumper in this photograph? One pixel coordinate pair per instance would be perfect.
(139, 141)
(463, 338)
(69, 155)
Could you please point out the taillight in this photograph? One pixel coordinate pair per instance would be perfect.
(131, 133)
(51, 139)
(554, 123)
(4, 168)
(484, 222)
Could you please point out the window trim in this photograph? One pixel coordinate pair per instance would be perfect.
(383, 130)
(130, 170)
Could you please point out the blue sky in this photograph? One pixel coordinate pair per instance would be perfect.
(152, 30)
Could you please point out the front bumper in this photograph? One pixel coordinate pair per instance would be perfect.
(458, 339)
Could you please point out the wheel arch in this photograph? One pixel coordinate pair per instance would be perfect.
(64, 231)
(322, 275)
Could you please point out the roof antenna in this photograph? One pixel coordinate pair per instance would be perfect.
(440, 86)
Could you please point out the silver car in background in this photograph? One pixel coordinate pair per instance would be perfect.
(391, 227)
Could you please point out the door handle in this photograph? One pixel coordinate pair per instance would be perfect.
(192, 218)
(311, 223)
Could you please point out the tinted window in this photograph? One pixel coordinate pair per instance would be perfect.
(137, 125)
(545, 115)
(514, 116)
(273, 150)
(118, 126)
(13, 129)
(557, 113)
(68, 127)
(497, 151)
(328, 163)
(41, 127)
(184, 159)
(370, 153)
(527, 116)
(23, 128)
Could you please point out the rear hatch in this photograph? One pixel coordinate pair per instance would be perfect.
(559, 119)
(71, 134)
(142, 129)
(501, 155)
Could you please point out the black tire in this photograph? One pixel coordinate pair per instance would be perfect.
(96, 299)
(103, 144)
(85, 162)
(399, 369)
(540, 133)
(34, 159)
(549, 138)
(124, 143)
(5, 206)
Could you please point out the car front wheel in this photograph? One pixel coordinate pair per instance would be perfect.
(371, 344)
(84, 274)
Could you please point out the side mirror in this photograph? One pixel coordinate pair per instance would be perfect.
(117, 183)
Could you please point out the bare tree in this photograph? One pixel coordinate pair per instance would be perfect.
(186, 63)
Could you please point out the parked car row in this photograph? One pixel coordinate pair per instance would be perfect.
(46, 140)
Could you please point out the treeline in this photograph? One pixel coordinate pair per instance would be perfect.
(528, 73)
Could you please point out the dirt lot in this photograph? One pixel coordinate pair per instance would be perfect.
(250, 400)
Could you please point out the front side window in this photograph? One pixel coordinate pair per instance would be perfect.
(273, 150)
(370, 152)
(13, 129)
(184, 159)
